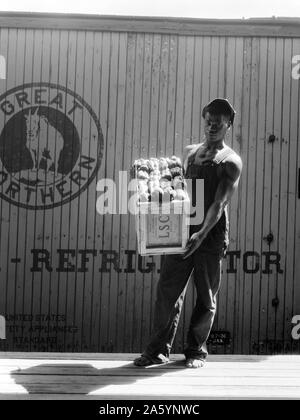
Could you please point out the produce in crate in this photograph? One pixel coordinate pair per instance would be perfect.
(160, 180)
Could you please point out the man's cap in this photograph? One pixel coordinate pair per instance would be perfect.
(220, 106)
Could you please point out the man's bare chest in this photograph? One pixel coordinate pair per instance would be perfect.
(204, 154)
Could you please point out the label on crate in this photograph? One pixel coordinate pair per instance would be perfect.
(164, 230)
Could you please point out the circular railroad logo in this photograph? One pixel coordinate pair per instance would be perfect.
(51, 145)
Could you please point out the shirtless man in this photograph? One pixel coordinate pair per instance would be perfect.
(220, 167)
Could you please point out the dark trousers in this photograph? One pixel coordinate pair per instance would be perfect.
(171, 288)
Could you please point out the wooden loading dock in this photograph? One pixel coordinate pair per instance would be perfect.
(81, 376)
(109, 90)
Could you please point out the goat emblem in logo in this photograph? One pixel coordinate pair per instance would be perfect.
(50, 145)
(43, 143)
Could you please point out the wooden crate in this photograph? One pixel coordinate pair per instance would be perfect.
(162, 228)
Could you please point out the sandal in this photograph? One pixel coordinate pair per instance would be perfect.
(191, 362)
(145, 360)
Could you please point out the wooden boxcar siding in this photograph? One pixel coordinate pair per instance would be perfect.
(148, 91)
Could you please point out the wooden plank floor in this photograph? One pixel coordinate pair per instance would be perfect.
(113, 376)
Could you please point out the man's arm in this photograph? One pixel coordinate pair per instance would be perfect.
(225, 190)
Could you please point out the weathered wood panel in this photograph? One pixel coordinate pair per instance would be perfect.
(71, 279)
(279, 27)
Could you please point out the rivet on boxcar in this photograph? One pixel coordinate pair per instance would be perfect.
(272, 138)
(269, 238)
